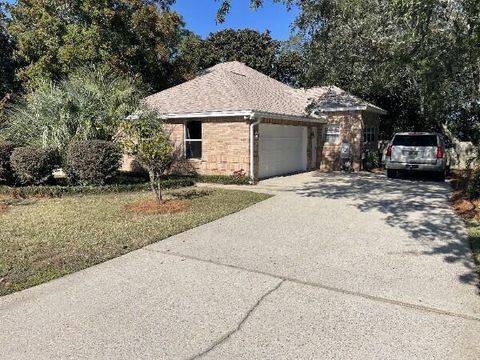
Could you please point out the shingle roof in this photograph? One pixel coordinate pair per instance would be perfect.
(332, 98)
(233, 86)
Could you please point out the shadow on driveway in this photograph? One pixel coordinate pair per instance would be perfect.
(418, 206)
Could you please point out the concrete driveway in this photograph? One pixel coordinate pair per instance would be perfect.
(334, 266)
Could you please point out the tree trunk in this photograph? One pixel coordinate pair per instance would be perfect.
(159, 189)
(155, 185)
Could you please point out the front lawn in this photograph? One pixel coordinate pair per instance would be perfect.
(43, 239)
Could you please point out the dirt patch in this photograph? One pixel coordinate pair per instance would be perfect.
(153, 207)
(3, 208)
(466, 208)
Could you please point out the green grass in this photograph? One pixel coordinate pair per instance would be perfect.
(43, 239)
(473, 229)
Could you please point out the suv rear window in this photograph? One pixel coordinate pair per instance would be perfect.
(415, 140)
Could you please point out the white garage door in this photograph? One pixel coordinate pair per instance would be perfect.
(282, 149)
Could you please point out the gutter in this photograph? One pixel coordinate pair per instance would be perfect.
(368, 108)
(206, 114)
(241, 113)
(252, 145)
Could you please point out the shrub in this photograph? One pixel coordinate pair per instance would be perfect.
(92, 162)
(473, 189)
(126, 178)
(32, 165)
(372, 159)
(146, 139)
(224, 179)
(6, 171)
(57, 191)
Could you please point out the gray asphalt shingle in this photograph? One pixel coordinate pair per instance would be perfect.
(233, 86)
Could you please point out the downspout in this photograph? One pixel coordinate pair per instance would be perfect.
(252, 146)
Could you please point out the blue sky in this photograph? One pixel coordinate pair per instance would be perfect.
(199, 16)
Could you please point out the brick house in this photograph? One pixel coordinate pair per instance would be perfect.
(233, 119)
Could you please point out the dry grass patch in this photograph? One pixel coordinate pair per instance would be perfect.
(3, 208)
(5, 202)
(43, 239)
(154, 207)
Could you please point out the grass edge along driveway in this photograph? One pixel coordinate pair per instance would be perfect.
(43, 239)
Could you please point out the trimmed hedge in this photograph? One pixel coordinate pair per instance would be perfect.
(125, 177)
(223, 179)
(32, 165)
(92, 162)
(6, 171)
(55, 191)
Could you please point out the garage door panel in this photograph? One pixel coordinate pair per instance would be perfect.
(282, 149)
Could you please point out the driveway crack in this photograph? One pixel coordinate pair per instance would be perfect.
(325, 287)
(239, 326)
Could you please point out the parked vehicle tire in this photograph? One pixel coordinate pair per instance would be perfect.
(391, 174)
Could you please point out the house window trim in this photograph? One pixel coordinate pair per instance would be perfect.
(327, 133)
(185, 140)
(369, 134)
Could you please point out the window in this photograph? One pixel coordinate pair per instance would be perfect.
(331, 134)
(415, 140)
(369, 134)
(193, 139)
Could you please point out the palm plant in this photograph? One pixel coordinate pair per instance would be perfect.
(89, 104)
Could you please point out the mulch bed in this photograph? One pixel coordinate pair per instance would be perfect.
(467, 208)
(153, 207)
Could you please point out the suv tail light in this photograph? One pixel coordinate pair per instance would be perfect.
(389, 151)
(440, 152)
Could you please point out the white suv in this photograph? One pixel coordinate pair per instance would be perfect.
(417, 151)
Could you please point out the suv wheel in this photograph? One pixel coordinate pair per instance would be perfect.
(391, 174)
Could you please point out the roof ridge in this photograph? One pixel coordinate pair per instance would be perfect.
(241, 95)
(236, 86)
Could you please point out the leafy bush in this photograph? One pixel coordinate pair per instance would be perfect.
(92, 162)
(6, 171)
(126, 178)
(372, 159)
(473, 189)
(146, 139)
(32, 165)
(55, 191)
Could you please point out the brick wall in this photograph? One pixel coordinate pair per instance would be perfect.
(351, 129)
(225, 145)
